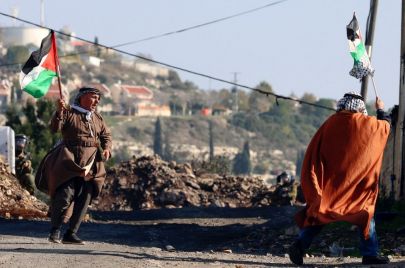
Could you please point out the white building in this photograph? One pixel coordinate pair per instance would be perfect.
(151, 69)
(22, 36)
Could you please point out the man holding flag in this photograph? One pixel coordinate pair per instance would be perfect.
(341, 168)
(73, 171)
(339, 176)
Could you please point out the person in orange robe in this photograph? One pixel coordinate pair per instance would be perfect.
(339, 176)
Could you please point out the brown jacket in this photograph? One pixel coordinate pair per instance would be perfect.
(339, 176)
(77, 149)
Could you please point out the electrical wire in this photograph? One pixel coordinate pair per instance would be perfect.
(200, 25)
(277, 96)
(173, 32)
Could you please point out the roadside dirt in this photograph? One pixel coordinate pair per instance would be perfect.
(187, 237)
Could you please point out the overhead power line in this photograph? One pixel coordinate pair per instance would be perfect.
(173, 32)
(201, 25)
(277, 96)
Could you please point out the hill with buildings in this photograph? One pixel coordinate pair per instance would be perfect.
(137, 92)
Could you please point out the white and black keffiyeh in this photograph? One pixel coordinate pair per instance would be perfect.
(83, 111)
(352, 101)
(85, 90)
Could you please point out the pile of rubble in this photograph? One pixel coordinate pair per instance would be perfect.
(148, 182)
(15, 201)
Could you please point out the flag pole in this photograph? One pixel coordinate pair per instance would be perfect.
(375, 88)
(370, 29)
(57, 65)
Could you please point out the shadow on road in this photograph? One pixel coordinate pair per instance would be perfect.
(192, 232)
(194, 212)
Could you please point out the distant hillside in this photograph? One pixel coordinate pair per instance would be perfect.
(277, 130)
(276, 137)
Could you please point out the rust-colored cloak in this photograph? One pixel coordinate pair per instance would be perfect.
(339, 176)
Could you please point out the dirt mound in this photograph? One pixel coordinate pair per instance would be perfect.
(15, 201)
(149, 182)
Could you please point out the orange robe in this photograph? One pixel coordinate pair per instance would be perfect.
(340, 171)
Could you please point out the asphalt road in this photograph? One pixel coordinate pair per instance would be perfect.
(182, 238)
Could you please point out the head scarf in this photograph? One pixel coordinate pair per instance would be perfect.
(353, 102)
(77, 107)
(85, 90)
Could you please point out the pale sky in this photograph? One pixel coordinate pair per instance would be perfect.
(297, 46)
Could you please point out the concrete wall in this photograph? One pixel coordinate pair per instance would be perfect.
(7, 147)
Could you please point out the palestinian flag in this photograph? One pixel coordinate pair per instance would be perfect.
(38, 72)
(362, 65)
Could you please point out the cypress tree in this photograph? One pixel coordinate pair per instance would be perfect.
(242, 164)
(157, 139)
(211, 141)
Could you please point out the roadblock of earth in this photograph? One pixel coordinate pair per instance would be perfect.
(15, 201)
(148, 182)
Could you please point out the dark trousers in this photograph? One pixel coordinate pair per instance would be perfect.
(368, 247)
(76, 190)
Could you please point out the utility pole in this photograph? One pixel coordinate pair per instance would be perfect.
(42, 13)
(372, 16)
(235, 99)
(399, 128)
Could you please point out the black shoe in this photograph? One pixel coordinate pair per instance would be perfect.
(375, 260)
(296, 253)
(71, 238)
(54, 236)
